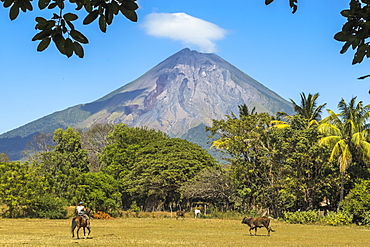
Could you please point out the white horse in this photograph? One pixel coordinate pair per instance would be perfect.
(196, 213)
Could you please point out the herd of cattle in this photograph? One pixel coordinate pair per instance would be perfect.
(253, 223)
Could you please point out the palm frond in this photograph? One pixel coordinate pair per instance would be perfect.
(329, 129)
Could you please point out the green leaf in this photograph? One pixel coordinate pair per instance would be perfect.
(102, 24)
(45, 25)
(43, 44)
(341, 36)
(79, 5)
(91, 17)
(14, 11)
(363, 77)
(43, 3)
(52, 6)
(130, 14)
(59, 42)
(78, 36)
(88, 6)
(267, 2)
(27, 5)
(71, 26)
(40, 20)
(60, 4)
(115, 7)
(345, 47)
(22, 5)
(55, 16)
(131, 5)
(109, 14)
(7, 3)
(68, 47)
(360, 54)
(41, 35)
(293, 5)
(70, 17)
(346, 13)
(79, 51)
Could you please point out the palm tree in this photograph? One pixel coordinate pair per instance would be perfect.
(244, 111)
(347, 134)
(308, 109)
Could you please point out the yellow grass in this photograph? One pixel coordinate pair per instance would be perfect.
(172, 232)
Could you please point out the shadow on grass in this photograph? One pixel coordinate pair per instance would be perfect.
(249, 235)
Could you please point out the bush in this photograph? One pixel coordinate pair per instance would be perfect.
(366, 219)
(337, 218)
(135, 208)
(357, 204)
(301, 217)
(48, 206)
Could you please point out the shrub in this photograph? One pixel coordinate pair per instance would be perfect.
(135, 208)
(301, 217)
(48, 206)
(357, 202)
(337, 218)
(366, 220)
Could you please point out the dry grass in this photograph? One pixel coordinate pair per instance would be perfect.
(172, 232)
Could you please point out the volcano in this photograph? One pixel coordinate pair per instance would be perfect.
(187, 90)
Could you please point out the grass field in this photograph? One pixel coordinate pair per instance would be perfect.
(172, 232)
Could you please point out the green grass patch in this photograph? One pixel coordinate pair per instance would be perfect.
(166, 231)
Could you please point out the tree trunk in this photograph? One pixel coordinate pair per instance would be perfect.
(341, 196)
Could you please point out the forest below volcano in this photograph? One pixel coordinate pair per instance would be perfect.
(276, 164)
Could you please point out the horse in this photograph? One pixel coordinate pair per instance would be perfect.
(196, 213)
(80, 221)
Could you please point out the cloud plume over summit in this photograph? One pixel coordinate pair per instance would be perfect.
(185, 28)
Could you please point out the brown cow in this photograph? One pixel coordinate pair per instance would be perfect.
(180, 214)
(258, 222)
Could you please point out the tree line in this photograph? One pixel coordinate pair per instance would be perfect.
(276, 163)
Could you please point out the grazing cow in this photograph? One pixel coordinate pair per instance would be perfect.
(196, 213)
(180, 213)
(258, 222)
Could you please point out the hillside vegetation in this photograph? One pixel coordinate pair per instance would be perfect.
(288, 169)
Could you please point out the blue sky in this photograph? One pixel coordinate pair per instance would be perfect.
(288, 53)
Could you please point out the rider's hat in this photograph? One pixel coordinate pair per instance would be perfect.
(81, 203)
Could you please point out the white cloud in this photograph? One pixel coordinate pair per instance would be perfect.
(185, 28)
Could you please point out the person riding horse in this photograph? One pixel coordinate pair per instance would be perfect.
(81, 221)
(81, 211)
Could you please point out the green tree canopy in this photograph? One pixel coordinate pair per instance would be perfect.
(307, 109)
(63, 165)
(21, 185)
(160, 170)
(99, 191)
(347, 135)
(275, 168)
(357, 202)
(123, 142)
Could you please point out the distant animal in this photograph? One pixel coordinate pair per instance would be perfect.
(81, 222)
(180, 213)
(196, 213)
(324, 206)
(257, 222)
